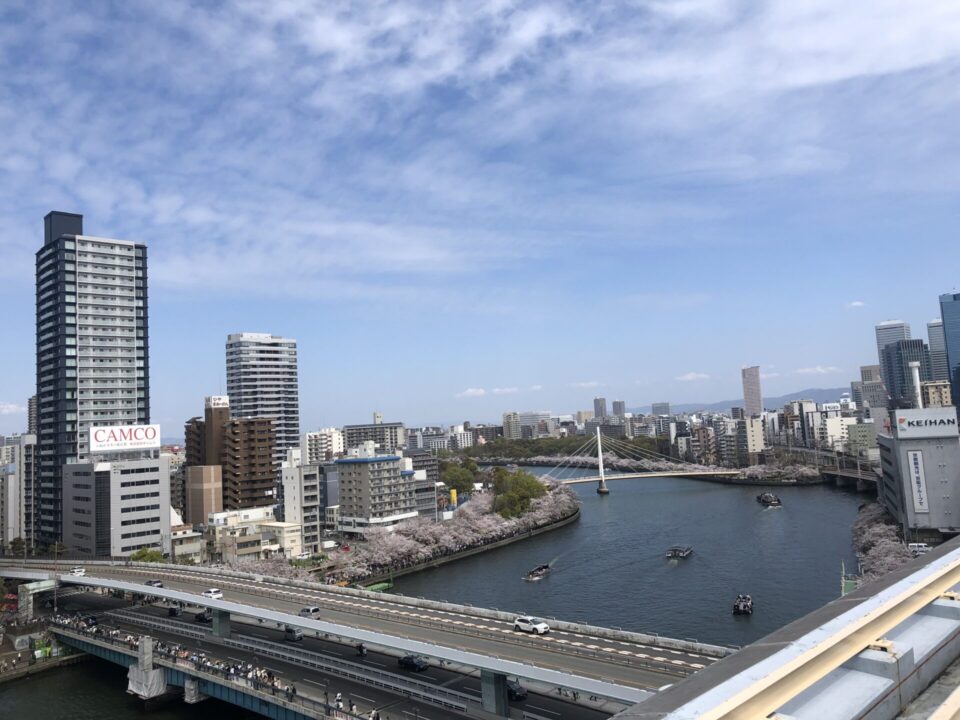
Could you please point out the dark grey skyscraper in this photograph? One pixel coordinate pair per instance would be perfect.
(897, 358)
(950, 313)
(938, 351)
(752, 396)
(889, 332)
(599, 407)
(92, 350)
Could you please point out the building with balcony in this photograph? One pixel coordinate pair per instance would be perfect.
(375, 491)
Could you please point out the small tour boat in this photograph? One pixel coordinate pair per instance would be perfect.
(769, 499)
(538, 573)
(743, 605)
(679, 551)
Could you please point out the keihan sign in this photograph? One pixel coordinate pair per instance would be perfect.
(124, 437)
(927, 423)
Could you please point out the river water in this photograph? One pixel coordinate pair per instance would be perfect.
(609, 568)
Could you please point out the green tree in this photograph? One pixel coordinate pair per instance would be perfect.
(17, 546)
(513, 492)
(149, 555)
(457, 478)
(56, 549)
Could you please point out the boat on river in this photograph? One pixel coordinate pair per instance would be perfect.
(743, 605)
(768, 499)
(679, 551)
(538, 573)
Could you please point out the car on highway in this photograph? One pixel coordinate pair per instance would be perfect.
(204, 616)
(516, 691)
(526, 623)
(213, 594)
(174, 611)
(309, 612)
(292, 634)
(78, 571)
(412, 662)
(154, 583)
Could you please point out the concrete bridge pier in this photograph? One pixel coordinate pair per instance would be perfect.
(493, 686)
(25, 593)
(221, 623)
(143, 679)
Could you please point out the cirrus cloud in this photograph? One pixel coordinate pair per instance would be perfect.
(472, 393)
(819, 370)
(11, 408)
(692, 377)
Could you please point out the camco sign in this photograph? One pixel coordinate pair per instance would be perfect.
(124, 437)
(927, 423)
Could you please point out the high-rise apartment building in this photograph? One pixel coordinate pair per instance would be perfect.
(752, 397)
(619, 408)
(887, 333)
(32, 415)
(92, 350)
(599, 407)
(247, 459)
(898, 356)
(511, 426)
(950, 314)
(661, 408)
(321, 445)
(204, 437)
(17, 481)
(262, 382)
(939, 370)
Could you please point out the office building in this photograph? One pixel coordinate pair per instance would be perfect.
(204, 437)
(887, 333)
(950, 315)
(661, 408)
(862, 439)
(203, 492)
(752, 397)
(920, 463)
(308, 490)
(485, 433)
(870, 373)
(93, 365)
(936, 393)
(387, 437)
(511, 426)
(319, 446)
(582, 416)
(32, 415)
(939, 369)
(18, 459)
(619, 408)
(599, 407)
(749, 441)
(114, 508)
(376, 491)
(176, 460)
(899, 381)
(262, 382)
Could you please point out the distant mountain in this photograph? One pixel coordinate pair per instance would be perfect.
(819, 395)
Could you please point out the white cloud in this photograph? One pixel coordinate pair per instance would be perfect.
(856, 304)
(819, 370)
(586, 384)
(535, 388)
(505, 391)
(11, 409)
(472, 393)
(692, 376)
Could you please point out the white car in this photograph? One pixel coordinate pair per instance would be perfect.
(78, 572)
(213, 594)
(525, 623)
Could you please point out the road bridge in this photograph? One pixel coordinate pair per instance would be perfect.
(592, 661)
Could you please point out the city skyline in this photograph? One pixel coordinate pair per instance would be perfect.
(454, 179)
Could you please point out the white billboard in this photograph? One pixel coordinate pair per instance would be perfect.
(217, 401)
(926, 423)
(918, 482)
(118, 438)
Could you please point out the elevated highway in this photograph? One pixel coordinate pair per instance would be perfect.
(592, 661)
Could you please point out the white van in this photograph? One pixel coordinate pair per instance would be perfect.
(918, 548)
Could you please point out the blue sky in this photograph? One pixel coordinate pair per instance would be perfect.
(459, 207)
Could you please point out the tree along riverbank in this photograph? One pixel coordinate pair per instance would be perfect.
(475, 526)
(754, 475)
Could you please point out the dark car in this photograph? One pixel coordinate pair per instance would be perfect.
(154, 583)
(516, 691)
(203, 616)
(174, 611)
(412, 662)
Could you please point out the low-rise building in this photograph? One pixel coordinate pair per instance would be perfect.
(936, 393)
(387, 437)
(375, 491)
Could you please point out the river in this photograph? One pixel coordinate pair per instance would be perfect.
(609, 568)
